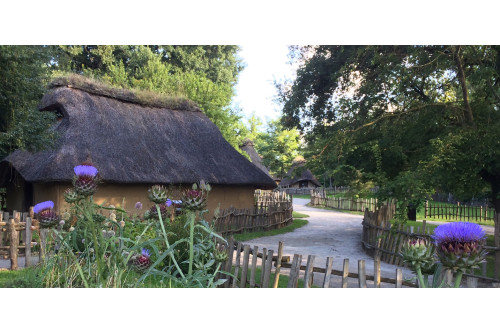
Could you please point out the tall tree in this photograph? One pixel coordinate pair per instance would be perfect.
(409, 118)
(24, 71)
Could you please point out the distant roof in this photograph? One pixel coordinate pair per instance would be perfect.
(306, 174)
(129, 141)
(249, 147)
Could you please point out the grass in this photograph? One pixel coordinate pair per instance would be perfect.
(297, 223)
(299, 215)
(22, 278)
(302, 196)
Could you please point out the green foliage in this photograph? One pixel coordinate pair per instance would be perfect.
(412, 119)
(24, 71)
(204, 74)
(278, 147)
(23, 278)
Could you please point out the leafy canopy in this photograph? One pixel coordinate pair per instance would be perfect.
(411, 119)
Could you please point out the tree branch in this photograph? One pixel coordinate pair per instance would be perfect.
(463, 84)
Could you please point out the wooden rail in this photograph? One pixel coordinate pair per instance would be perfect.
(261, 218)
(16, 237)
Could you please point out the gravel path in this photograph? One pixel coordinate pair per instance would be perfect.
(328, 233)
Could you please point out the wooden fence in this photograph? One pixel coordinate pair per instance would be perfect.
(17, 232)
(243, 261)
(260, 218)
(330, 191)
(297, 191)
(350, 204)
(385, 241)
(265, 198)
(459, 212)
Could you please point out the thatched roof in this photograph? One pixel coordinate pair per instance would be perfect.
(298, 173)
(249, 147)
(130, 142)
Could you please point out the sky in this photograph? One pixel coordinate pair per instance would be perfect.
(255, 89)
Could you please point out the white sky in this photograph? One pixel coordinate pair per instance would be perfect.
(255, 89)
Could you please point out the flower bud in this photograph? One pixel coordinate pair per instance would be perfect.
(157, 194)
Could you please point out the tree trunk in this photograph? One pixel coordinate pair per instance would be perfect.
(463, 83)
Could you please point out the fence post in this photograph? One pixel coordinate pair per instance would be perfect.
(361, 274)
(14, 243)
(27, 243)
(328, 272)
(309, 271)
(43, 244)
(497, 244)
(399, 278)
(376, 272)
(278, 264)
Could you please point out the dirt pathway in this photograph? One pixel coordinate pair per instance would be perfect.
(328, 233)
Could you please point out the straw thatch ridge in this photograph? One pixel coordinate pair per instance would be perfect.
(131, 143)
(137, 96)
(249, 147)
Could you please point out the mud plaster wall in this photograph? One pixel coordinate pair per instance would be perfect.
(129, 195)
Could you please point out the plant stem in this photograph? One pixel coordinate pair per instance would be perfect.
(166, 240)
(213, 276)
(458, 278)
(420, 278)
(191, 218)
(93, 228)
(80, 271)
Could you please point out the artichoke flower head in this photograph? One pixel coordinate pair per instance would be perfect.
(459, 245)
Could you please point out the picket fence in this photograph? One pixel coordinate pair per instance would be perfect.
(265, 198)
(243, 261)
(341, 203)
(459, 212)
(259, 218)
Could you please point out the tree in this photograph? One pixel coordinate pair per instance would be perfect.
(205, 74)
(410, 118)
(253, 127)
(24, 72)
(278, 147)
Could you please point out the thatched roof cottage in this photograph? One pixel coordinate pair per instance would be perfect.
(134, 140)
(298, 176)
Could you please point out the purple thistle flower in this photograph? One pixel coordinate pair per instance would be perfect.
(458, 232)
(138, 205)
(145, 252)
(85, 170)
(47, 205)
(460, 246)
(168, 202)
